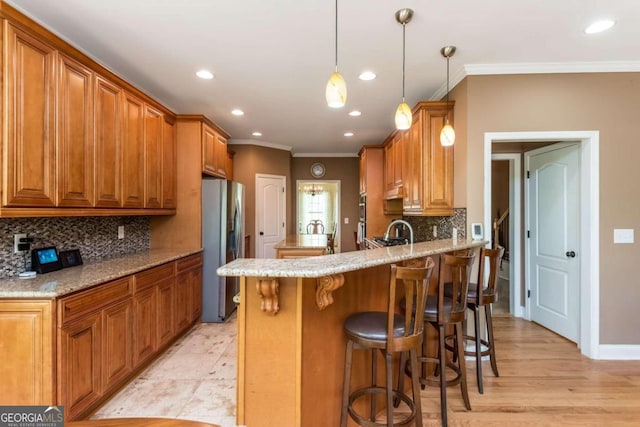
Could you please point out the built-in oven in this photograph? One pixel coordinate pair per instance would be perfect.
(362, 220)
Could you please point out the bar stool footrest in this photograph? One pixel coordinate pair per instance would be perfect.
(372, 390)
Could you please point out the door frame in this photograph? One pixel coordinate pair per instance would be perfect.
(338, 184)
(515, 231)
(589, 336)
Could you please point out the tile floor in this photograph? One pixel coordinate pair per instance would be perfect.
(195, 379)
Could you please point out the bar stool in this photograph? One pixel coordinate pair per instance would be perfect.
(444, 307)
(484, 298)
(388, 333)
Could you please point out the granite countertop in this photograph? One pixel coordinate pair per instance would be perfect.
(62, 282)
(303, 241)
(340, 263)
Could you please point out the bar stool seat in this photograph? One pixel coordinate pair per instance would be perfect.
(388, 333)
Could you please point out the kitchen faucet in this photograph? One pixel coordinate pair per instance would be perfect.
(399, 221)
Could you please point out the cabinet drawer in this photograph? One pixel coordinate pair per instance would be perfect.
(189, 262)
(148, 278)
(93, 299)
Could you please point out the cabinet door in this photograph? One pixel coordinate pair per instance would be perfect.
(209, 141)
(107, 122)
(75, 133)
(27, 371)
(182, 300)
(133, 152)
(389, 163)
(363, 172)
(117, 340)
(79, 365)
(414, 185)
(165, 314)
(153, 127)
(221, 156)
(29, 152)
(144, 318)
(196, 293)
(438, 170)
(169, 165)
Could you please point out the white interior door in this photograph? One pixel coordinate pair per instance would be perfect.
(270, 213)
(553, 224)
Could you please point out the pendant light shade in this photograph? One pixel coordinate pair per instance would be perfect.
(403, 117)
(447, 134)
(336, 91)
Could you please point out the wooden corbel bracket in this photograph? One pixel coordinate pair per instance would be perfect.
(324, 289)
(269, 290)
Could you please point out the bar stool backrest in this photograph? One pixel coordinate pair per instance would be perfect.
(415, 282)
(488, 293)
(460, 272)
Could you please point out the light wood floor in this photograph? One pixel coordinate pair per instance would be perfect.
(544, 381)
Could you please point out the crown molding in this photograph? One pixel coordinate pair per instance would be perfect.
(553, 68)
(325, 155)
(259, 143)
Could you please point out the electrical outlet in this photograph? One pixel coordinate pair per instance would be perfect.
(121, 232)
(16, 241)
(435, 231)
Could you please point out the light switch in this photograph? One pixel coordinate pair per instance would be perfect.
(623, 235)
(346, 220)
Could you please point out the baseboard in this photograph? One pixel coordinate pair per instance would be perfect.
(618, 352)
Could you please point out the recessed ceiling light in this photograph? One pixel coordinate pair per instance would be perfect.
(355, 113)
(204, 74)
(348, 134)
(599, 26)
(237, 112)
(367, 75)
(257, 134)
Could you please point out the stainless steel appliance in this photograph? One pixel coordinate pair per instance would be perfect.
(362, 220)
(222, 241)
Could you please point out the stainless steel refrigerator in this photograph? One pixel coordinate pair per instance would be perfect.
(222, 241)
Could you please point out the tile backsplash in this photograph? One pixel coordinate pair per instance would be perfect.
(96, 237)
(423, 225)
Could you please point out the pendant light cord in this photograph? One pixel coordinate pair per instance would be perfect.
(447, 82)
(403, 58)
(336, 36)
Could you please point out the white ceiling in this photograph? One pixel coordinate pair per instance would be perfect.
(272, 58)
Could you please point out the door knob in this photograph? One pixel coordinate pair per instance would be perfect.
(262, 233)
(570, 254)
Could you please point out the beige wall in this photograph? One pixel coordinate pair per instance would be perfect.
(250, 160)
(343, 169)
(606, 102)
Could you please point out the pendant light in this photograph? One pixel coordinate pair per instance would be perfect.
(447, 134)
(336, 92)
(403, 112)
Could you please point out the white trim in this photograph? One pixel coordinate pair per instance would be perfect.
(515, 228)
(589, 221)
(325, 155)
(553, 68)
(259, 143)
(618, 352)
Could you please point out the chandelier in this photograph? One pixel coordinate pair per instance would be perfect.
(313, 189)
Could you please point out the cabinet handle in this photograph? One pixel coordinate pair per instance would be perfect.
(570, 254)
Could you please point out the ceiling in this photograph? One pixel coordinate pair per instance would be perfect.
(272, 58)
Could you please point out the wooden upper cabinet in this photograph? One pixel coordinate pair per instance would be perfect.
(393, 148)
(153, 128)
(133, 152)
(430, 165)
(75, 134)
(108, 148)
(209, 141)
(363, 171)
(29, 155)
(169, 166)
(221, 156)
(214, 152)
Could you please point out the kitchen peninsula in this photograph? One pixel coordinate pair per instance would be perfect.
(290, 328)
(301, 245)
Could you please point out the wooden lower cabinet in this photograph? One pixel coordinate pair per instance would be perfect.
(79, 365)
(27, 353)
(78, 350)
